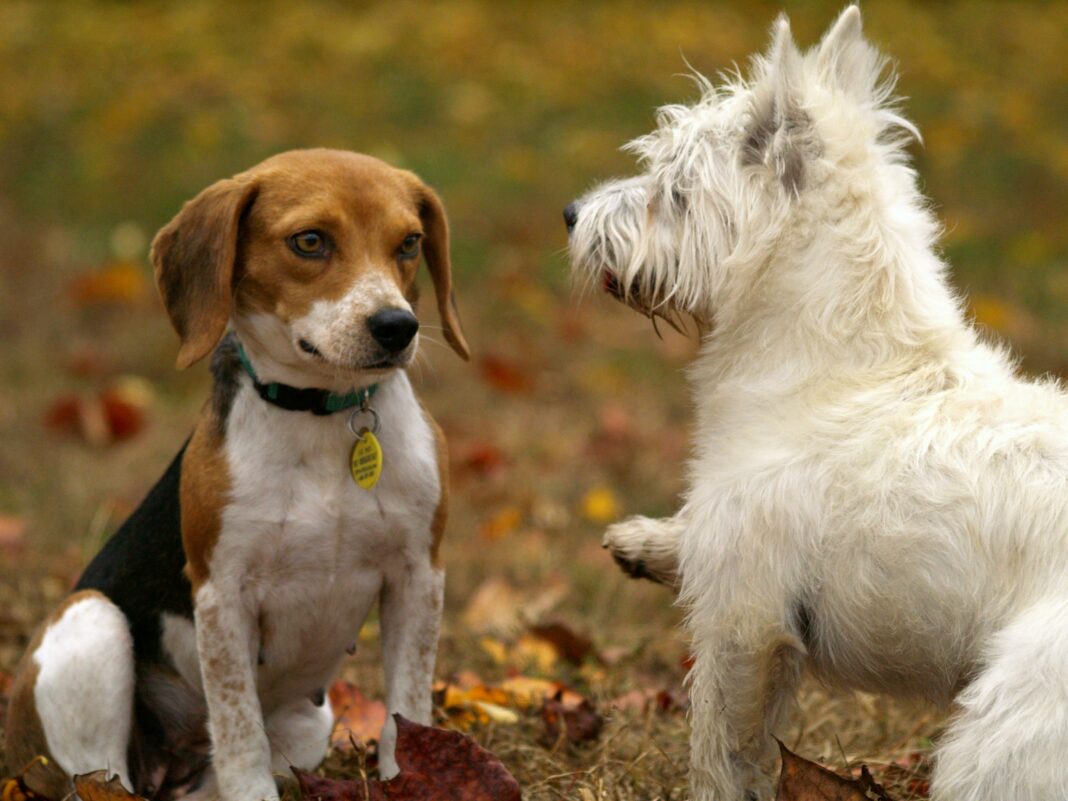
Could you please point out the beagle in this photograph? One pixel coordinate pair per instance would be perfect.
(193, 655)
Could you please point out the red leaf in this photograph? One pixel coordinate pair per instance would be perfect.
(483, 458)
(124, 419)
(435, 765)
(505, 376)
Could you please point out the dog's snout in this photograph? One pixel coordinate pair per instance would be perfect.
(571, 216)
(393, 329)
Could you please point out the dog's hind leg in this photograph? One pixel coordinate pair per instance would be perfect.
(647, 548)
(1010, 739)
(745, 672)
(73, 696)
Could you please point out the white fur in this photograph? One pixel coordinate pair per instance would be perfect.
(303, 555)
(85, 686)
(874, 491)
(337, 328)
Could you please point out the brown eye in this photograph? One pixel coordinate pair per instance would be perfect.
(308, 244)
(409, 248)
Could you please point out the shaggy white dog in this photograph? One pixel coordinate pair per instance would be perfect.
(874, 492)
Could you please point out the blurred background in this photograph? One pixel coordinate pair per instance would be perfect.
(573, 411)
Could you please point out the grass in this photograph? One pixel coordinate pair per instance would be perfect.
(116, 113)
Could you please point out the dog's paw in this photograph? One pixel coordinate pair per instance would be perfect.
(644, 548)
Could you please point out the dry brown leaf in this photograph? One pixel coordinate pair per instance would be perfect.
(435, 765)
(356, 717)
(578, 722)
(570, 645)
(802, 780)
(97, 786)
(15, 789)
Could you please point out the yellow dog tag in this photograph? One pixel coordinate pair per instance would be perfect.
(366, 460)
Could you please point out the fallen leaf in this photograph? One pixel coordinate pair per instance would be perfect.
(120, 283)
(12, 530)
(801, 780)
(643, 700)
(502, 523)
(97, 786)
(494, 606)
(599, 505)
(499, 608)
(435, 765)
(570, 645)
(115, 413)
(534, 653)
(482, 458)
(15, 789)
(471, 702)
(578, 722)
(505, 375)
(356, 717)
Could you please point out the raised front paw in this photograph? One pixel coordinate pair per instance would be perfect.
(645, 548)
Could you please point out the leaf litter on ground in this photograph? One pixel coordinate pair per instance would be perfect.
(435, 765)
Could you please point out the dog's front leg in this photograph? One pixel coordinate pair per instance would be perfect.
(411, 605)
(227, 642)
(647, 548)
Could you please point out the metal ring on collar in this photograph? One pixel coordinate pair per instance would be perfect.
(363, 410)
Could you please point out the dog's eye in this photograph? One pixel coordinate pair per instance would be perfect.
(309, 244)
(409, 248)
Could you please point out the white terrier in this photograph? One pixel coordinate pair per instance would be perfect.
(874, 492)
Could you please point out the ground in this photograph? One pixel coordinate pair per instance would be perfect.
(573, 411)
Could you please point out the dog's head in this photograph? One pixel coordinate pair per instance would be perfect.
(723, 178)
(312, 256)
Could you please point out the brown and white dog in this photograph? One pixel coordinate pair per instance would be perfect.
(193, 655)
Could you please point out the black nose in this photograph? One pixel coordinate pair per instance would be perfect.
(393, 329)
(570, 216)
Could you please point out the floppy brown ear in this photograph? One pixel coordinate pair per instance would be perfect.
(436, 253)
(194, 257)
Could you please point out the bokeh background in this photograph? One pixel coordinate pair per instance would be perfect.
(573, 412)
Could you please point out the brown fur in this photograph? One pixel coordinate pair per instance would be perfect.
(441, 512)
(195, 256)
(25, 735)
(203, 492)
(228, 248)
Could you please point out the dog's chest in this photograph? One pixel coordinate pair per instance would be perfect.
(307, 545)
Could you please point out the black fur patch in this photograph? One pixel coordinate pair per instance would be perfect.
(141, 567)
(225, 369)
(805, 623)
(796, 126)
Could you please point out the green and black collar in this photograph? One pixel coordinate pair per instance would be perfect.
(305, 399)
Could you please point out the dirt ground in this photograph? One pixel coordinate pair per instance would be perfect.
(573, 411)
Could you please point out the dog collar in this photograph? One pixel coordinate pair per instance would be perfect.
(305, 399)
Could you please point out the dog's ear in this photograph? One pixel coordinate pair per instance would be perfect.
(436, 253)
(779, 135)
(194, 257)
(847, 60)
